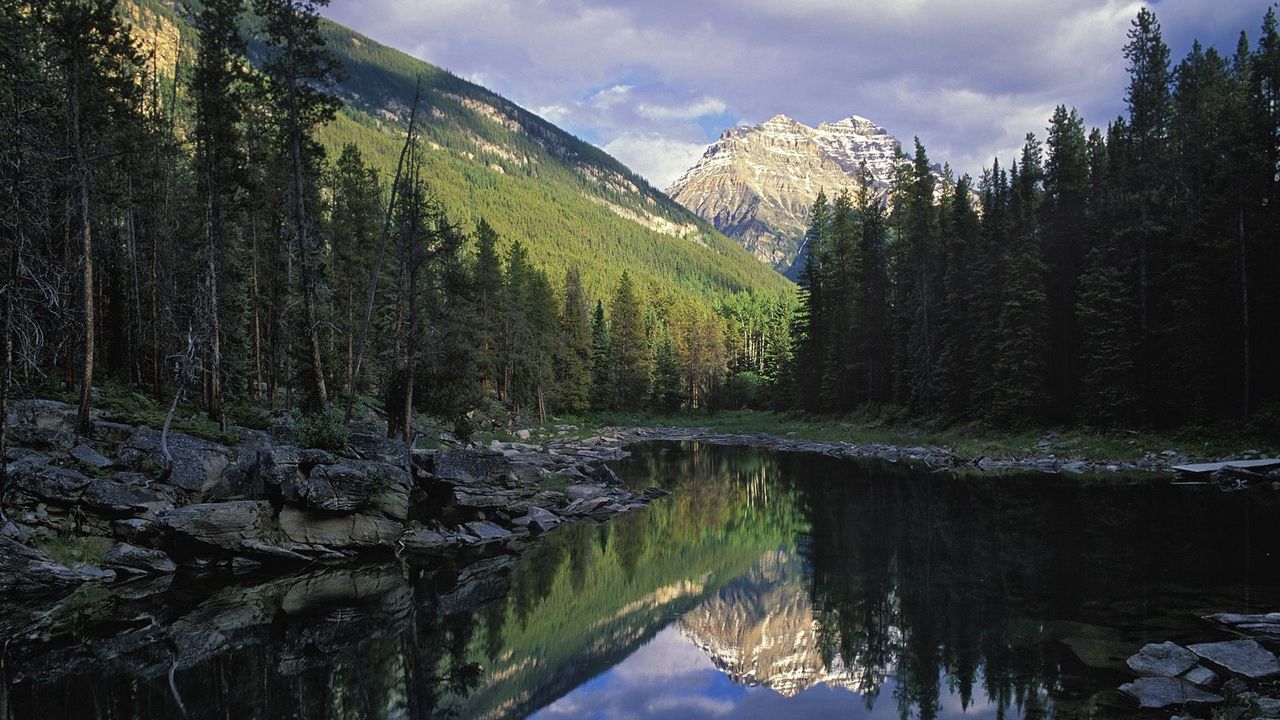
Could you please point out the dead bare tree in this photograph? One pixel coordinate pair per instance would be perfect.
(382, 253)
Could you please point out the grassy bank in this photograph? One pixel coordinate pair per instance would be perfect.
(967, 440)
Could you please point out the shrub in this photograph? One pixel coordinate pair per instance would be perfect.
(324, 430)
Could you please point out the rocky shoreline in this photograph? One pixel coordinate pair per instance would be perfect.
(128, 502)
(933, 458)
(138, 503)
(1238, 678)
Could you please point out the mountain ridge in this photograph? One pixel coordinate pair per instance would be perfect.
(485, 156)
(757, 183)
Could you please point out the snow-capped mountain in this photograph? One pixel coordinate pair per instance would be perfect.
(761, 631)
(757, 183)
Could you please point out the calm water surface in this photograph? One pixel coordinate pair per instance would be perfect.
(766, 586)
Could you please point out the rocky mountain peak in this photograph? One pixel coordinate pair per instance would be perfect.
(757, 183)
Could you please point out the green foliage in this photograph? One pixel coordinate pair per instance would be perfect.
(1117, 280)
(325, 430)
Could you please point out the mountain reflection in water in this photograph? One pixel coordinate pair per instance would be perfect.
(766, 586)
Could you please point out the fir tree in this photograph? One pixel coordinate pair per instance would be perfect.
(573, 374)
(603, 386)
(630, 346)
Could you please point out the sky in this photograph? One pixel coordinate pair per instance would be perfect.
(653, 82)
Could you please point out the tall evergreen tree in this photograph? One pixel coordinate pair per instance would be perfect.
(216, 89)
(812, 322)
(629, 344)
(1066, 181)
(1020, 367)
(299, 70)
(1144, 181)
(603, 386)
(573, 374)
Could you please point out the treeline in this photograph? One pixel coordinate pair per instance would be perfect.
(1107, 277)
(181, 231)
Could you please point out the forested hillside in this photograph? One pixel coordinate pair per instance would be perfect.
(333, 220)
(1123, 276)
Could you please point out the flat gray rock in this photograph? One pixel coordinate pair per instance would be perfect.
(1201, 676)
(1164, 659)
(1242, 657)
(1237, 619)
(486, 531)
(90, 457)
(1159, 693)
(134, 560)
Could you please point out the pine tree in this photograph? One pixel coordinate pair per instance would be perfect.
(630, 346)
(960, 231)
(1144, 184)
(603, 386)
(355, 222)
(1066, 183)
(1020, 366)
(488, 282)
(573, 375)
(811, 332)
(96, 65)
(216, 89)
(919, 280)
(872, 313)
(667, 385)
(299, 69)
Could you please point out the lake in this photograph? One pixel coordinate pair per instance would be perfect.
(765, 586)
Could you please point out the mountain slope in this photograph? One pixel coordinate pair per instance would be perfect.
(484, 156)
(757, 183)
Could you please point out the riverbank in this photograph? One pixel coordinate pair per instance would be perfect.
(131, 500)
(970, 445)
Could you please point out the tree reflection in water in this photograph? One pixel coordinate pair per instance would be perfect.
(791, 572)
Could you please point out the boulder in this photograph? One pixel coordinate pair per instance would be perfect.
(278, 465)
(353, 485)
(1242, 657)
(133, 560)
(1164, 659)
(119, 497)
(424, 539)
(587, 506)
(338, 532)
(26, 571)
(538, 520)
(337, 488)
(134, 530)
(197, 464)
(226, 525)
(1159, 693)
(467, 465)
(89, 457)
(47, 482)
(242, 479)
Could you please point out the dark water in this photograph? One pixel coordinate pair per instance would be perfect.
(766, 586)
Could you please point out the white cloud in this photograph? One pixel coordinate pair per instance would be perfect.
(609, 97)
(659, 159)
(690, 111)
(962, 76)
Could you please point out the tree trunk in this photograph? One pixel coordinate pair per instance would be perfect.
(382, 251)
(84, 426)
(6, 379)
(255, 391)
(217, 412)
(1247, 387)
(304, 251)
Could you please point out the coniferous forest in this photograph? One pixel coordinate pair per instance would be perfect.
(1117, 276)
(194, 243)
